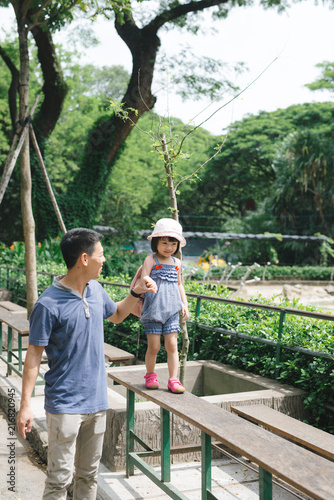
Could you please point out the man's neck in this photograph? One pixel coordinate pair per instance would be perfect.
(75, 281)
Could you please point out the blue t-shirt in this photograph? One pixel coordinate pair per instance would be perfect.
(71, 329)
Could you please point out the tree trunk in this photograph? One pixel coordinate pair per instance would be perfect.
(26, 207)
(54, 88)
(173, 203)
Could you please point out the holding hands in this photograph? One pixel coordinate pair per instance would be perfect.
(146, 284)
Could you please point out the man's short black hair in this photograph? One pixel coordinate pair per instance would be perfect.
(77, 241)
(155, 240)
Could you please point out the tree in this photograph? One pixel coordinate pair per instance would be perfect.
(107, 137)
(303, 190)
(241, 177)
(326, 79)
(135, 195)
(29, 17)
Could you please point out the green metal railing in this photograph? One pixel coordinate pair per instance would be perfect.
(6, 280)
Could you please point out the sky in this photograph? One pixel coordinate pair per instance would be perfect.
(285, 46)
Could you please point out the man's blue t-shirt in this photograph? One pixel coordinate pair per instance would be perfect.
(71, 329)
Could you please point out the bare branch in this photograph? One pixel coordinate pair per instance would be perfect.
(227, 103)
(203, 164)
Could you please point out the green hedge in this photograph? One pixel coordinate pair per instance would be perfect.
(314, 375)
(272, 272)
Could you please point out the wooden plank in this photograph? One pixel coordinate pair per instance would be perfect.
(116, 354)
(10, 306)
(21, 325)
(315, 439)
(302, 469)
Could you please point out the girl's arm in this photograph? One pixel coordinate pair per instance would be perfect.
(185, 310)
(125, 306)
(146, 271)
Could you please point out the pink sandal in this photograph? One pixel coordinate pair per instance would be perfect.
(151, 381)
(175, 386)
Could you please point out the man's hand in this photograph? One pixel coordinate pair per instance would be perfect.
(24, 420)
(30, 373)
(146, 284)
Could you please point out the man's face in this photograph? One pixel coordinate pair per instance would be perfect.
(95, 261)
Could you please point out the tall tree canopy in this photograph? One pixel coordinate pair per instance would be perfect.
(140, 32)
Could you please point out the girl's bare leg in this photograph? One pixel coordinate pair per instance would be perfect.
(153, 346)
(172, 354)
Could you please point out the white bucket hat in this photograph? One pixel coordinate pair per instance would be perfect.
(168, 227)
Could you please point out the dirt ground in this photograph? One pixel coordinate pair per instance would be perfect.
(319, 296)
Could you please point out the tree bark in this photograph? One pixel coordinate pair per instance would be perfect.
(173, 203)
(26, 207)
(14, 85)
(54, 87)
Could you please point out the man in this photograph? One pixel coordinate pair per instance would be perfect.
(67, 320)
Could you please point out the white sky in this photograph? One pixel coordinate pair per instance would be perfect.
(299, 38)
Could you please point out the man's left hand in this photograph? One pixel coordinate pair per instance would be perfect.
(146, 284)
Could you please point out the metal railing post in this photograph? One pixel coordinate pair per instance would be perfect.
(197, 313)
(279, 344)
(130, 428)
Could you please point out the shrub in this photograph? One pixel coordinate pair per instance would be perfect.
(315, 375)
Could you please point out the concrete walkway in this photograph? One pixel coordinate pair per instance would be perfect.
(230, 479)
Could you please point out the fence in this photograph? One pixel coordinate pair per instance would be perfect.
(16, 283)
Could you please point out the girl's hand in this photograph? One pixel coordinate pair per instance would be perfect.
(185, 313)
(146, 284)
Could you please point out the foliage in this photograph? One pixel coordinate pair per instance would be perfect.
(47, 252)
(303, 190)
(326, 79)
(236, 182)
(89, 88)
(143, 42)
(314, 375)
(135, 196)
(271, 272)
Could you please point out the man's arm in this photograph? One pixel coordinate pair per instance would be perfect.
(30, 374)
(125, 306)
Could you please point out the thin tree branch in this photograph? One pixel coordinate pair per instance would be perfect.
(39, 12)
(227, 103)
(203, 164)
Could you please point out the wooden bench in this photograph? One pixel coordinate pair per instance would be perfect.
(14, 308)
(14, 323)
(310, 437)
(116, 355)
(301, 468)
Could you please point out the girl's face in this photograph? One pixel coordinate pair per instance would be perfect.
(166, 247)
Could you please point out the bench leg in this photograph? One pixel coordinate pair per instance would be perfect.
(206, 466)
(130, 428)
(0, 337)
(19, 343)
(266, 485)
(9, 350)
(165, 445)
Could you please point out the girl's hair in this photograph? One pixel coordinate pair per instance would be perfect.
(155, 240)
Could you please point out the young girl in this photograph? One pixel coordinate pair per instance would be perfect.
(160, 314)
